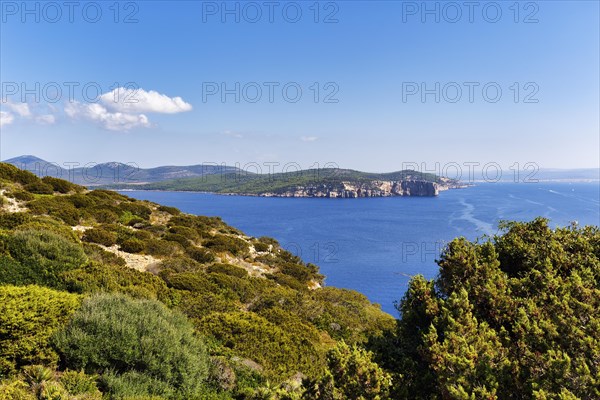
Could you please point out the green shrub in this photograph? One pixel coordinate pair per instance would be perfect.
(61, 185)
(177, 238)
(13, 174)
(50, 224)
(43, 256)
(104, 216)
(15, 390)
(97, 254)
(138, 210)
(23, 195)
(300, 272)
(12, 220)
(29, 316)
(39, 188)
(107, 196)
(278, 351)
(170, 210)
(96, 278)
(352, 374)
(133, 385)
(192, 281)
(132, 246)
(224, 243)
(58, 206)
(157, 247)
(228, 269)
(202, 256)
(78, 383)
(81, 200)
(180, 264)
(261, 247)
(138, 337)
(101, 236)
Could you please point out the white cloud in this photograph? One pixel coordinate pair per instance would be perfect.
(46, 119)
(6, 118)
(308, 138)
(140, 101)
(22, 109)
(114, 121)
(233, 134)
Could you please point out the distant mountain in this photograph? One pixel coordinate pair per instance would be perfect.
(332, 182)
(329, 183)
(113, 173)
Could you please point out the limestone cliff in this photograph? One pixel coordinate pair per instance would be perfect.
(374, 188)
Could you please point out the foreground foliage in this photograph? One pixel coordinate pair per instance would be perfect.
(517, 316)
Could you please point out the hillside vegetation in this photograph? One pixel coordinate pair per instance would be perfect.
(256, 184)
(105, 296)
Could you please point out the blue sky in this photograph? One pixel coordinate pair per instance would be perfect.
(367, 66)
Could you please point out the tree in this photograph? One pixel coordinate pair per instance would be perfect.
(513, 316)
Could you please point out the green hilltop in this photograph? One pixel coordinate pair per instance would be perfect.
(324, 180)
(107, 297)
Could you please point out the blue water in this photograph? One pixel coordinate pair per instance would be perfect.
(374, 245)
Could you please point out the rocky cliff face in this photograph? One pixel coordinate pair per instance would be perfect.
(365, 189)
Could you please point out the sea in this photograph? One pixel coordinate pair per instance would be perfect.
(375, 245)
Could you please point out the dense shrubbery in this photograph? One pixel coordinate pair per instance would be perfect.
(145, 344)
(39, 188)
(225, 243)
(41, 256)
(29, 316)
(511, 317)
(13, 174)
(100, 236)
(515, 317)
(61, 185)
(280, 352)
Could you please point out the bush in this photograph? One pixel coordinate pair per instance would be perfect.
(39, 188)
(96, 278)
(29, 316)
(202, 256)
(132, 246)
(224, 243)
(104, 216)
(78, 383)
(101, 236)
(43, 256)
(278, 351)
(12, 220)
(138, 210)
(23, 195)
(177, 238)
(228, 269)
(61, 185)
(162, 248)
(180, 264)
(261, 247)
(13, 174)
(170, 210)
(97, 254)
(58, 206)
(135, 385)
(135, 337)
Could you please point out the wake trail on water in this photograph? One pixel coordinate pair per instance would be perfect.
(468, 215)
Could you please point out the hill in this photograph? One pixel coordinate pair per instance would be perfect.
(330, 183)
(325, 182)
(106, 297)
(111, 173)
